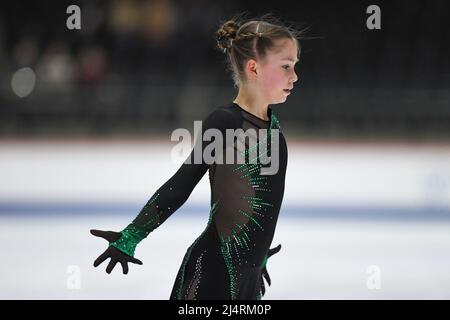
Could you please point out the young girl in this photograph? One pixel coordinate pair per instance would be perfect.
(228, 260)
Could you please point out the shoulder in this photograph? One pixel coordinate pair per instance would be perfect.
(223, 117)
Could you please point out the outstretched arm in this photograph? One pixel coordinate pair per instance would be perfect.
(164, 202)
(167, 199)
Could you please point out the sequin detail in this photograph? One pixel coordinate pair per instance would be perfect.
(235, 245)
(148, 219)
(191, 292)
(189, 252)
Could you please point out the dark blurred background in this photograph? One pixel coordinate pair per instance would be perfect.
(146, 67)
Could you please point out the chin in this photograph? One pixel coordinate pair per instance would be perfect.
(280, 100)
(277, 99)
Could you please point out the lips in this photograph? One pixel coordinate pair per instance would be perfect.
(287, 90)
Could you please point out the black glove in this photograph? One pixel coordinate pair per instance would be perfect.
(115, 254)
(265, 274)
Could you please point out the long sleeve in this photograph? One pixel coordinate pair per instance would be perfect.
(174, 193)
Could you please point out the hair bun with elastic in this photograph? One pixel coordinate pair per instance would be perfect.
(226, 33)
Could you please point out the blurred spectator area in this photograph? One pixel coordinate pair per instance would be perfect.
(146, 67)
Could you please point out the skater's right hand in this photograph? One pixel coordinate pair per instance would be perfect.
(265, 274)
(115, 254)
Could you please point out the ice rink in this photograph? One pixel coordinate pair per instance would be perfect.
(357, 222)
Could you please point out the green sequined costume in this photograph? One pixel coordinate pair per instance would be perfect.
(226, 260)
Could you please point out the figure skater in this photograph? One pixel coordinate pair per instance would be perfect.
(228, 260)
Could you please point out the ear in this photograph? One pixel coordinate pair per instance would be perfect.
(251, 69)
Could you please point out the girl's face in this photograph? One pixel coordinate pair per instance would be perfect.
(276, 72)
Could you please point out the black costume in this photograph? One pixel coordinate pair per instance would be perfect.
(227, 260)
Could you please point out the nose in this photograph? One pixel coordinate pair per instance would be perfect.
(295, 77)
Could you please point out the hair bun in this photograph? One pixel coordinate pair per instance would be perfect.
(226, 33)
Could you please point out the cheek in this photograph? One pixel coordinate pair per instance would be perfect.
(274, 79)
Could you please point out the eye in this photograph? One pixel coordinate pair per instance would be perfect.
(286, 67)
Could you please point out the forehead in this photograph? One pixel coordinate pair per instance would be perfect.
(285, 49)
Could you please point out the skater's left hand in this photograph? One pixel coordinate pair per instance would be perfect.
(265, 274)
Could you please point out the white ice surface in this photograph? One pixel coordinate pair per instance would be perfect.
(319, 259)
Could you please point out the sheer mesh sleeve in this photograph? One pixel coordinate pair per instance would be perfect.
(174, 193)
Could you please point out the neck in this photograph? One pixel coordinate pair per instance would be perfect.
(252, 102)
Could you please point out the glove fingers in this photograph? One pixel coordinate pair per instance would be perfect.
(274, 250)
(266, 276)
(111, 265)
(101, 258)
(263, 287)
(98, 233)
(134, 260)
(124, 264)
(110, 236)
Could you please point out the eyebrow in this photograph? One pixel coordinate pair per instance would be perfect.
(291, 60)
